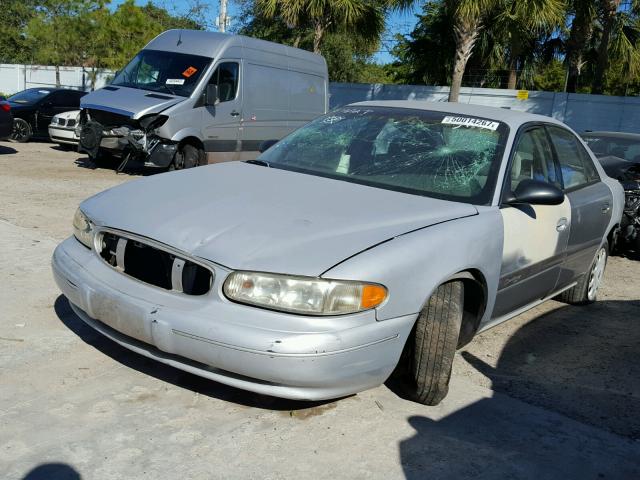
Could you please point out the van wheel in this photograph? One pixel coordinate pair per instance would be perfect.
(21, 132)
(433, 344)
(586, 290)
(188, 156)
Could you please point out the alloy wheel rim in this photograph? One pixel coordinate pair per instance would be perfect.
(597, 272)
(19, 131)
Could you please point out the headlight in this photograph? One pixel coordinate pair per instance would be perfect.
(83, 228)
(303, 295)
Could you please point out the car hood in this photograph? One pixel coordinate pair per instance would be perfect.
(132, 102)
(249, 217)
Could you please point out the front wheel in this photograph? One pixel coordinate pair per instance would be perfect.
(188, 156)
(586, 290)
(21, 132)
(432, 346)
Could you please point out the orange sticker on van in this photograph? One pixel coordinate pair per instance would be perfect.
(189, 71)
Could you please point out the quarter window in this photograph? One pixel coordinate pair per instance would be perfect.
(575, 163)
(533, 159)
(226, 78)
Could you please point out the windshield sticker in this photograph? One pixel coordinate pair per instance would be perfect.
(331, 119)
(175, 81)
(189, 71)
(471, 122)
(355, 111)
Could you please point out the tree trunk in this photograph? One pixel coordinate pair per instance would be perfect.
(581, 32)
(296, 41)
(609, 10)
(318, 34)
(513, 73)
(58, 76)
(466, 34)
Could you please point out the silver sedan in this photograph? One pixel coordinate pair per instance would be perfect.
(379, 237)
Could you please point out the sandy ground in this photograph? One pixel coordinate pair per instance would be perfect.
(554, 393)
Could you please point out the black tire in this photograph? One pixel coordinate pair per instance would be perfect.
(433, 344)
(21, 132)
(188, 156)
(583, 293)
(104, 159)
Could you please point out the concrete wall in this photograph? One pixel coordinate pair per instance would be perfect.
(14, 78)
(581, 112)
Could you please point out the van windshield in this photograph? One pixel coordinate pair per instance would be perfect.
(158, 71)
(421, 152)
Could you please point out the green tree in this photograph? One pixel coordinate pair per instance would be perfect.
(581, 32)
(14, 17)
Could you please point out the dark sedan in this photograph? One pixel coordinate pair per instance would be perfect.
(6, 119)
(34, 108)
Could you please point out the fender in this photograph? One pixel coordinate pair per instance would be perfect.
(425, 258)
(187, 132)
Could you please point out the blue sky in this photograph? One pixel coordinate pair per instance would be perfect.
(399, 22)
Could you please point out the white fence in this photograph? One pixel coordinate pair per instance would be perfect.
(582, 112)
(579, 111)
(14, 78)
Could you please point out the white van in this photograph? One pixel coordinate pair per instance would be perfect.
(193, 97)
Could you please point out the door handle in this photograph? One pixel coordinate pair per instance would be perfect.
(234, 113)
(562, 225)
(605, 208)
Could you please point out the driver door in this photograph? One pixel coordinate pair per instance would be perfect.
(221, 122)
(535, 236)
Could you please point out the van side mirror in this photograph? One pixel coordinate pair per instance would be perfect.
(211, 95)
(535, 192)
(266, 145)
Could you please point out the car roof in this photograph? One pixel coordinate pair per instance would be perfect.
(626, 135)
(513, 118)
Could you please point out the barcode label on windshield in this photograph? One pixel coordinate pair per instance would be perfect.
(471, 122)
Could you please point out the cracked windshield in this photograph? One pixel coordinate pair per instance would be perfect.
(433, 154)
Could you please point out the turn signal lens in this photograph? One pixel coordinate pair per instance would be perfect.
(372, 296)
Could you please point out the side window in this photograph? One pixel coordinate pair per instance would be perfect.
(226, 78)
(575, 163)
(56, 99)
(533, 159)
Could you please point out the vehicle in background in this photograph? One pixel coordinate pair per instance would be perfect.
(63, 128)
(34, 108)
(195, 97)
(619, 155)
(381, 235)
(6, 119)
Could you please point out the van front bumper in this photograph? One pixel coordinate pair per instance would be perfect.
(253, 349)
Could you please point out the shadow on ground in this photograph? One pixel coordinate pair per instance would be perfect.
(114, 164)
(52, 471)
(7, 150)
(169, 374)
(581, 362)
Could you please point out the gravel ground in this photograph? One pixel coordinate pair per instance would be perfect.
(563, 381)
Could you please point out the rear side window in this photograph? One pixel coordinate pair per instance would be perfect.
(226, 78)
(533, 159)
(575, 163)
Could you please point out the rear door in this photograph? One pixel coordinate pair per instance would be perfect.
(535, 236)
(591, 203)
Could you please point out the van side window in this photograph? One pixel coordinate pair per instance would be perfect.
(226, 78)
(575, 163)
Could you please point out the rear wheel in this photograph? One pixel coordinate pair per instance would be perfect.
(21, 132)
(433, 344)
(586, 290)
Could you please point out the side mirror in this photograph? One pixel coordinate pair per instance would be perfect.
(266, 145)
(211, 95)
(535, 192)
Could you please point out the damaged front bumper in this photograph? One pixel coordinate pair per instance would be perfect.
(134, 145)
(262, 351)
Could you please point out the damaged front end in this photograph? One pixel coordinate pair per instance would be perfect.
(135, 142)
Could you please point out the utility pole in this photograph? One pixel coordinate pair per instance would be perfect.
(223, 20)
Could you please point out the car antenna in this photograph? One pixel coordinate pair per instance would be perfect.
(179, 37)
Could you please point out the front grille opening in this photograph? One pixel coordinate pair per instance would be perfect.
(154, 266)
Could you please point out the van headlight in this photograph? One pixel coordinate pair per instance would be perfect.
(83, 228)
(303, 295)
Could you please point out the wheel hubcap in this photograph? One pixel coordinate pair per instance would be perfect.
(595, 278)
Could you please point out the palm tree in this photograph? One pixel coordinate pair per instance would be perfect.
(582, 26)
(364, 18)
(608, 10)
(469, 16)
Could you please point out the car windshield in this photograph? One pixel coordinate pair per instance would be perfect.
(626, 148)
(442, 155)
(158, 71)
(29, 96)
